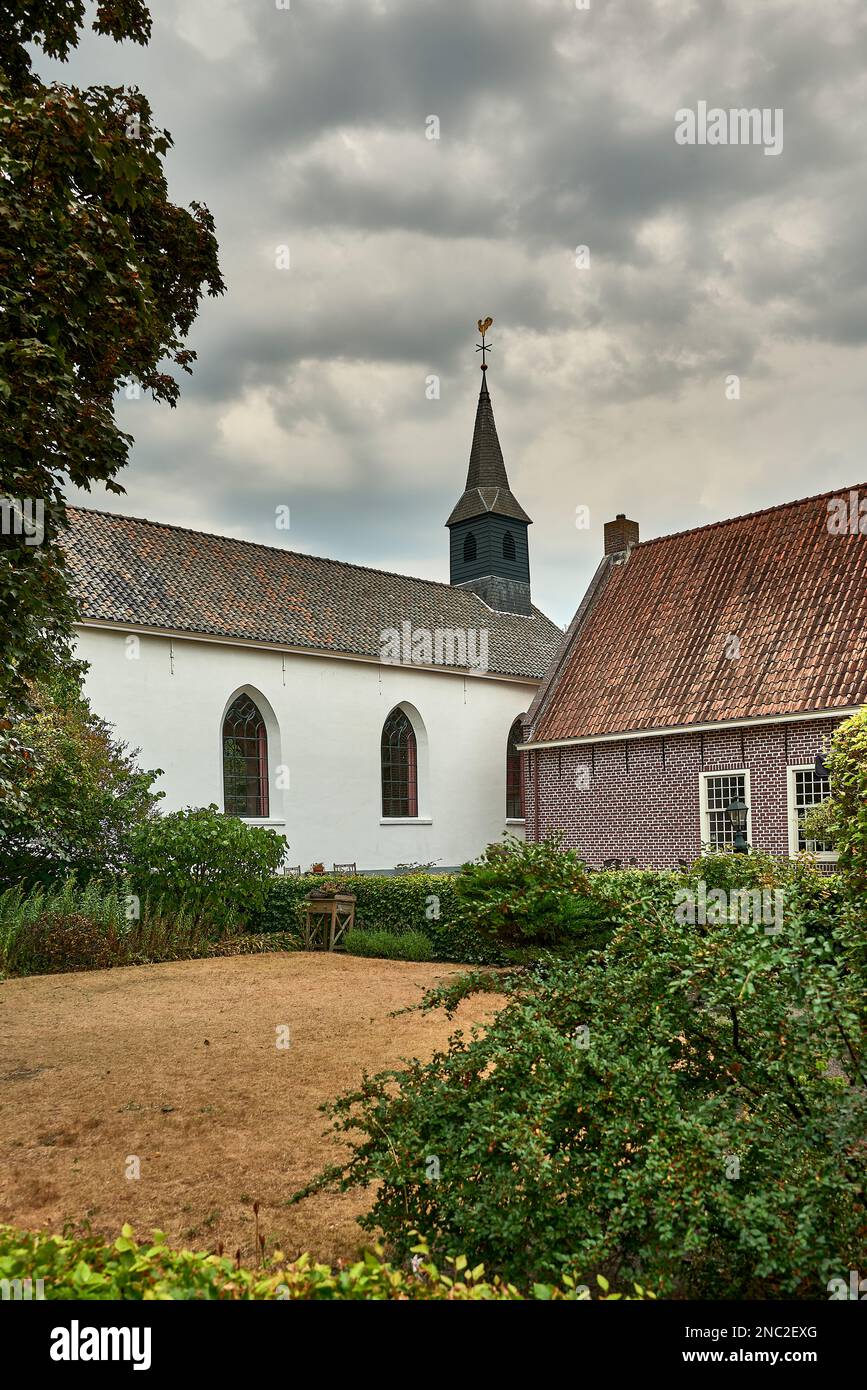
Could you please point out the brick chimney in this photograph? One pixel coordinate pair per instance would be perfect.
(620, 534)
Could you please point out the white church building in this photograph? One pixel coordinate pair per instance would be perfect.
(370, 718)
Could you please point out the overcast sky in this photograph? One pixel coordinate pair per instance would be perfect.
(308, 127)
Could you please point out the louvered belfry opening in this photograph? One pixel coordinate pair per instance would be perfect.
(399, 767)
(245, 760)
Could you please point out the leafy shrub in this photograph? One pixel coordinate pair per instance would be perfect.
(409, 945)
(209, 862)
(44, 932)
(820, 822)
(77, 797)
(729, 871)
(59, 941)
(686, 1111)
(847, 765)
(525, 895)
(83, 1268)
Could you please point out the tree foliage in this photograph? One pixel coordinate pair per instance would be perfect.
(101, 277)
(847, 766)
(78, 793)
(207, 862)
(520, 895)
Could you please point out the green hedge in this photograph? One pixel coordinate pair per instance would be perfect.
(399, 904)
(84, 1268)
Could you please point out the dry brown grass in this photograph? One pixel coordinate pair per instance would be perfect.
(177, 1064)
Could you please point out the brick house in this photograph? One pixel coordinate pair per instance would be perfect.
(700, 667)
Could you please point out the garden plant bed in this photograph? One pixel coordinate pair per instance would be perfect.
(177, 1064)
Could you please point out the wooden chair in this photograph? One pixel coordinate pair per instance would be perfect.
(344, 869)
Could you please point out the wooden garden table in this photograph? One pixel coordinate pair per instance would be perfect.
(326, 919)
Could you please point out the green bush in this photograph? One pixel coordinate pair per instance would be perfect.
(847, 766)
(83, 1268)
(729, 871)
(60, 941)
(77, 796)
(408, 945)
(820, 822)
(686, 1110)
(520, 895)
(44, 932)
(69, 928)
(208, 862)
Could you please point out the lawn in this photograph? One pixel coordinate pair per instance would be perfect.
(178, 1065)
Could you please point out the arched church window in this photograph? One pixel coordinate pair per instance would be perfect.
(245, 759)
(399, 766)
(469, 546)
(514, 774)
(508, 546)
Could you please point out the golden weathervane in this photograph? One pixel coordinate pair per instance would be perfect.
(483, 347)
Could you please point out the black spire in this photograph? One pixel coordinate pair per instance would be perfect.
(487, 488)
(488, 525)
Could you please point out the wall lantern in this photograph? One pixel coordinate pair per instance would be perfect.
(737, 811)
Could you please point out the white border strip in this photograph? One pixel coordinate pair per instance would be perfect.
(843, 712)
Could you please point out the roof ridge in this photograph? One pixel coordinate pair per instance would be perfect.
(277, 550)
(748, 516)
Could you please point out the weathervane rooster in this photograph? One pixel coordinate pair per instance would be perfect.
(483, 347)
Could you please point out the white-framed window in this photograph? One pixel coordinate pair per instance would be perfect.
(805, 789)
(717, 790)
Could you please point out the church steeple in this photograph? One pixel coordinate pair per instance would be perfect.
(488, 525)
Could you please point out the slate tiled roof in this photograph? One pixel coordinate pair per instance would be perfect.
(487, 488)
(130, 571)
(656, 647)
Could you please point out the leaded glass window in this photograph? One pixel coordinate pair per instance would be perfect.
(514, 774)
(245, 760)
(399, 767)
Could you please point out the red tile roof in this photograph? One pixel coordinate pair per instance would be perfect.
(654, 648)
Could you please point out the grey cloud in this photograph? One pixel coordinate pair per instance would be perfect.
(557, 130)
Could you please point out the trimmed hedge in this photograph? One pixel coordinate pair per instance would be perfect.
(400, 904)
(84, 1268)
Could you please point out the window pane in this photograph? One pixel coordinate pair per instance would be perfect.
(809, 791)
(245, 760)
(720, 792)
(514, 775)
(399, 767)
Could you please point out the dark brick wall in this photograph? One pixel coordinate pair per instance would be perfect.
(642, 800)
